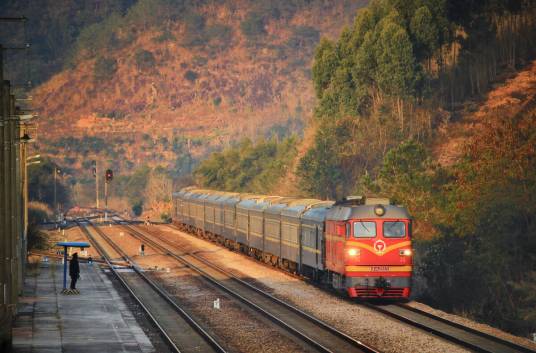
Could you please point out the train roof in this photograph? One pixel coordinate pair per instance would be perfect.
(343, 212)
(254, 203)
(297, 207)
(351, 207)
(318, 212)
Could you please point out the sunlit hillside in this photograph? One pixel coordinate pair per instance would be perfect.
(194, 84)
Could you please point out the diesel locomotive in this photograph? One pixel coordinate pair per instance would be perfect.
(358, 245)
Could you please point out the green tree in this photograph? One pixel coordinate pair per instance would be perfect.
(396, 63)
(41, 184)
(426, 33)
(324, 65)
(320, 170)
(247, 167)
(253, 26)
(144, 59)
(104, 68)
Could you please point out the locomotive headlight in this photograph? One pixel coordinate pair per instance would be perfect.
(354, 252)
(405, 252)
(379, 210)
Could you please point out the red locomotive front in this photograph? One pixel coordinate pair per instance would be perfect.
(368, 248)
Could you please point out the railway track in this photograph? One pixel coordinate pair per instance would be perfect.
(465, 336)
(459, 334)
(181, 331)
(318, 334)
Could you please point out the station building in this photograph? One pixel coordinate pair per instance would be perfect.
(13, 140)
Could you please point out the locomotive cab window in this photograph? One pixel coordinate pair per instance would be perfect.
(394, 229)
(364, 229)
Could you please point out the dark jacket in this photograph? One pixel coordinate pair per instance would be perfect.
(74, 267)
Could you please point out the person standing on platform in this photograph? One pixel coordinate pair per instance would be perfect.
(74, 270)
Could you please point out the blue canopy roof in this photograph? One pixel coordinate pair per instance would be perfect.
(74, 244)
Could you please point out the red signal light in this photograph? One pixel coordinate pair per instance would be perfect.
(109, 175)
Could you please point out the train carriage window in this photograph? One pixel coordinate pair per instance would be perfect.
(364, 229)
(394, 229)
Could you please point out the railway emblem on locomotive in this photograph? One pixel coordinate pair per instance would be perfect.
(380, 246)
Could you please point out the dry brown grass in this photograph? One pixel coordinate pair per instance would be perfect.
(506, 99)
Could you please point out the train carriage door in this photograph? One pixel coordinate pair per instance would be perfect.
(299, 240)
(330, 239)
(318, 246)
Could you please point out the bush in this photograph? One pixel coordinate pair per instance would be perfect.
(219, 35)
(69, 160)
(253, 25)
(304, 36)
(191, 75)
(195, 30)
(144, 59)
(164, 36)
(137, 208)
(37, 213)
(199, 60)
(104, 68)
(247, 167)
(217, 101)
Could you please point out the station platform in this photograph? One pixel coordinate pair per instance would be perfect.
(96, 320)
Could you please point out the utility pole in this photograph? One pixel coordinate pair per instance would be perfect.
(108, 176)
(57, 172)
(105, 201)
(96, 174)
(55, 200)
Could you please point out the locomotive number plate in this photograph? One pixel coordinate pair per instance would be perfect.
(379, 268)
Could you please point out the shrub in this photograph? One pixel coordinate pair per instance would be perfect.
(253, 25)
(191, 75)
(69, 160)
(144, 59)
(165, 217)
(217, 101)
(104, 68)
(164, 36)
(303, 36)
(137, 208)
(195, 30)
(199, 60)
(219, 35)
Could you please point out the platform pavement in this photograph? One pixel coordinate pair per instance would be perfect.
(97, 320)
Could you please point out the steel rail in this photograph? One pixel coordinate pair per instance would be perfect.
(462, 335)
(355, 344)
(508, 346)
(495, 345)
(212, 344)
(127, 287)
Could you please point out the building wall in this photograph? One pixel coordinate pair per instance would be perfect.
(12, 250)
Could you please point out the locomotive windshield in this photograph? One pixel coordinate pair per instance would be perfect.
(364, 229)
(394, 229)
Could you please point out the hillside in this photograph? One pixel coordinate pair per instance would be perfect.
(507, 99)
(161, 97)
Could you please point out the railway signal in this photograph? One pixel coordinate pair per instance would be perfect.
(96, 176)
(109, 175)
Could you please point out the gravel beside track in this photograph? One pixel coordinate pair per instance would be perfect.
(475, 325)
(307, 328)
(237, 328)
(465, 336)
(176, 326)
(377, 330)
